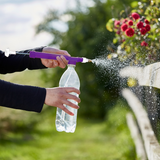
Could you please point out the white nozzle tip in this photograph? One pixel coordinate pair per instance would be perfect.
(85, 60)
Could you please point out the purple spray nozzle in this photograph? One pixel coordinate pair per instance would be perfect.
(71, 60)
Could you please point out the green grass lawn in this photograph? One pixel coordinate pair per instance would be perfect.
(37, 139)
(32, 136)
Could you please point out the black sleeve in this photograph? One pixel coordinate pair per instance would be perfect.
(15, 63)
(16, 96)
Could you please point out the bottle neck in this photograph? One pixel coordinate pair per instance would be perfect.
(71, 66)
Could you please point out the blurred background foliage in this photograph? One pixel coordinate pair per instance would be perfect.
(87, 36)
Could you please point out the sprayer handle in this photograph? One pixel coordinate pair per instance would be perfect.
(34, 54)
(71, 60)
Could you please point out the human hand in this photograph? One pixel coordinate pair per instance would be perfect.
(59, 96)
(60, 62)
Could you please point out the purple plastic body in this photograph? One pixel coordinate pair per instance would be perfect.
(71, 60)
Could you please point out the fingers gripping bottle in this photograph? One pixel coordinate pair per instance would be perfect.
(65, 122)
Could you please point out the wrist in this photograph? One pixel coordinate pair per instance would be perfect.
(39, 49)
(47, 49)
(46, 98)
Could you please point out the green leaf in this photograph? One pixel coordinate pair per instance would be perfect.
(134, 10)
(128, 49)
(109, 25)
(134, 4)
(156, 1)
(123, 11)
(115, 40)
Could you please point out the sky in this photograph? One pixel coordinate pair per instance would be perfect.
(19, 18)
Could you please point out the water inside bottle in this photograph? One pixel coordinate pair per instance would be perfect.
(64, 121)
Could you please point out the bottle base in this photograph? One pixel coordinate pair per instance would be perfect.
(67, 129)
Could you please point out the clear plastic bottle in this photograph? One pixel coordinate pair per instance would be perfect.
(65, 122)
